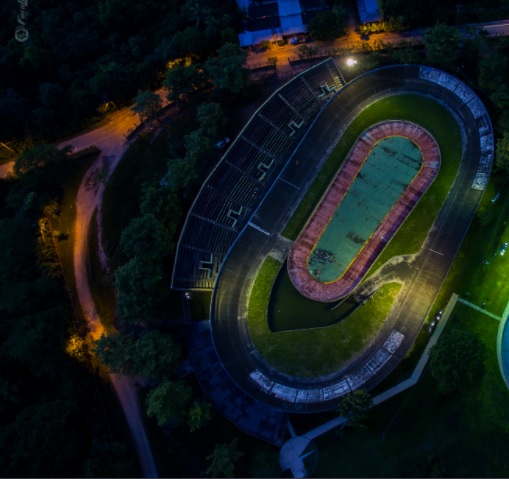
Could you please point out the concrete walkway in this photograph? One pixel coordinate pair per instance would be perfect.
(291, 454)
(481, 310)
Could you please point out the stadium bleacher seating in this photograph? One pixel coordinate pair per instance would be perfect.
(237, 185)
(479, 113)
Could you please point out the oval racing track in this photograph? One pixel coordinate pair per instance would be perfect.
(424, 277)
(298, 258)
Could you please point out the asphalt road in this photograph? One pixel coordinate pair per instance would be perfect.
(257, 58)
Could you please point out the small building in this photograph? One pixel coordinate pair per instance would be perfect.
(271, 20)
(369, 11)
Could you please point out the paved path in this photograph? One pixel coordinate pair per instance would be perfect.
(6, 169)
(291, 454)
(111, 140)
(481, 310)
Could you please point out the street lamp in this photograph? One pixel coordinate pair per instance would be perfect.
(351, 62)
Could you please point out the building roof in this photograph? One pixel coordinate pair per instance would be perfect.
(270, 20)
(369, 11)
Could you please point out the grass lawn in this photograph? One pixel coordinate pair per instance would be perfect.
(423, 433)
(469, 276)
(321, 350)
(423, 111)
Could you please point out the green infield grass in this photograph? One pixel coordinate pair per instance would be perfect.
(321, 350)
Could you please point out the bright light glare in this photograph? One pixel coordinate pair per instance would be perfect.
(351, 62)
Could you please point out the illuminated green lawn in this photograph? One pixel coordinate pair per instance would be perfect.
(321, 350)
(423, 433)
(469, 276)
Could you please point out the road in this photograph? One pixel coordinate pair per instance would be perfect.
(111, 140)
(352, 40)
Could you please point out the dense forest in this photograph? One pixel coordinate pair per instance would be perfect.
(80, 58)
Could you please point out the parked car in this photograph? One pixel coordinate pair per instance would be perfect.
(222, 143)
(503, 248)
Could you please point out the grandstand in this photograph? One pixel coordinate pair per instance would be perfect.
(477, 109)
(234, 189)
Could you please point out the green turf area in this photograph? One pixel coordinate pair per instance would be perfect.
(321, 350)
(428, 114)
(470, 277)
(423, 433)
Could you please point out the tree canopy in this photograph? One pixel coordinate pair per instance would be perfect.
(502, 153)
(147, 105)
(226, 69)
(457, 361)
(441, 44)
(154, 354)
(168, 402)
(328, 25)
(222, 460)
(355, 406)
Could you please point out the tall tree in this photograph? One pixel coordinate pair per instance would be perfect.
(328, 25)
(146, 238)
(42, 441)
(265, 462)
(138, 285)
(181, 81)
(457, 361)
(147, 105)
(502, 153)
(226, 69)
(223, 459)
(39, 156)
(441, 44)
(211, 118)
(168, 402)
(116, 352)
(199, 415)
(156, 355)
(355, 406)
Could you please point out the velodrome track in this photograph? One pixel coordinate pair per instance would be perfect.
(261, 236)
